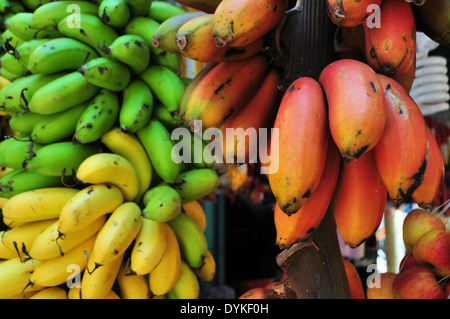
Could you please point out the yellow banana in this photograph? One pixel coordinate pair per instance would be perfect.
(149, 247)
(21, 238)
(195, 210)
(129, 146)
(112, 295)
(87, 205)
(51, 293)
(6, 252)
(112, 169)
(98, 281)
(187, 286)
(164, 277)
(60, 270)
(132, 286)
(48, 244)
(208, 270)
(74, 293)
(38, 204)
(118, 233)
(16, 276)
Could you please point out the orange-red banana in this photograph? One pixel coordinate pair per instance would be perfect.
(299, 226)
(391, 46)
(259, 113)
(402, 151)
(195, 41)
(240, 22)
(190, 88)
(356, 106)
(302, 144)
(349, 13)
(225, 90)
(406, 79)
(359, 200)
(354, 280)
(426, 193)
(208, 6)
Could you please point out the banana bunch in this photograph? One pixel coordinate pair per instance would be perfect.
(95, 202)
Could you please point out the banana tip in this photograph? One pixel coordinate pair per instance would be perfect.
(181, 41)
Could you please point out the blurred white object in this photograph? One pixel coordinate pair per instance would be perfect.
(430, 89)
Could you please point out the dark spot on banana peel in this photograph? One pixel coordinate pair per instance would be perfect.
(177, 185)
(373, 86)
(101, 70)
(418, 179)
(305, 195)
(105, 16)
(348, 157)
(235, 52)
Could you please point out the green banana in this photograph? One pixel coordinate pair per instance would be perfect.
(145, 27)
(8, 75)
(157, 142)
(195, 184)
(131, 50)
(162, 203)
(191, 239)
(59, 159)
(165, 85)
(160, 11)
(48, 15)
(10, 40)
(198, 146)
(17, 61)
(22, 181)
(115, 13)
(57, 127)
(98, 118)
(60, 54)
(24, 122)
(106, 73)
(62, 93)
(15, 152)
(137, 106)
(19, 24)
(17, 95)
(139, 7)
(32, 5)
(164, 37)
(92, 31)
(169, 119)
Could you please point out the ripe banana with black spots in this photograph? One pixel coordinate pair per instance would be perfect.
(240, 22)
(59, 158)
(48, 15)
(149, 247)
(38, 204)
(195, 184)
(16, 61)
(165, 84)
(57, 271)
(61, 54)
(132, 286)
(106, 73)
(23, 181)
(129, 147)
(187, 286)
(97, 118)
(131, 50)
(192, 240)
(15, 276)
(110, 168)
(87, 205)
(17, 95)
(57, 127)
(208, 271)
(48, 244)
(137, 106)
(164, 36)
(91, 30)
(98, 282)
(19, 24)
(15, 151)
(157, 142)
(21, 238)
(194, 40)
(115, 13)
(165, 275)
(62, 93)
(162, 203)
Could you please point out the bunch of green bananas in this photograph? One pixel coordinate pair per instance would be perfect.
(87, 167)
